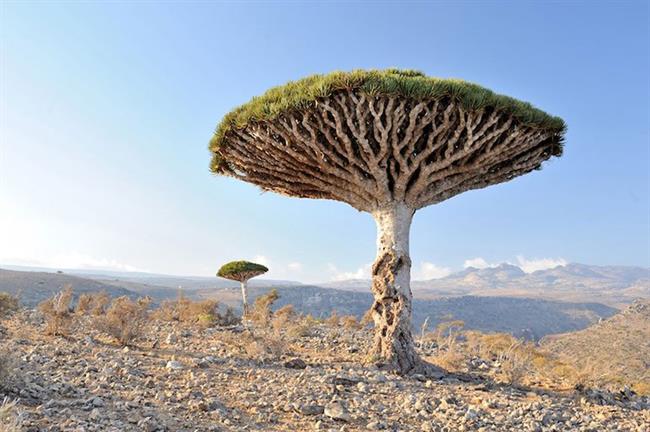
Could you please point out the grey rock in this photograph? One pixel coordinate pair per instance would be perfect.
(335, 410)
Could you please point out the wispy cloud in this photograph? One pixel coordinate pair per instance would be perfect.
(428, 270)
(362, 272)
(478, 263)
(535, 264)
(527, 265)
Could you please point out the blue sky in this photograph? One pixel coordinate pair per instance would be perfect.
(107, 110)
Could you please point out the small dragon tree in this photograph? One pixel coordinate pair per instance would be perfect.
(388, 143)
(242, 271)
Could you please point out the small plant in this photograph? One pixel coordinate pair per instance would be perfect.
(9, 419)
(282, 317)
(57, 311)
(449, 354)
(350, 322)
(7, 368)
(93, 304)
(516, 362)
(125, 319)
(367, 319)
(205, 313)
(333, 320)
(261, 313)
(8, 304)
(228, 318)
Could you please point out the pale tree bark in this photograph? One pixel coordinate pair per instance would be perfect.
(391, 275)
(244, 295)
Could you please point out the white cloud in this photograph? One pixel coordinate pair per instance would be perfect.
(362, 272)
(532, 265)
(429, 270)
(478, 263)
(527, 265)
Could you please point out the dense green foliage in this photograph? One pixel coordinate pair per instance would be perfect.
(234, 268)
(299, 95)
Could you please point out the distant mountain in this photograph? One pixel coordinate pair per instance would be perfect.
(613, 285)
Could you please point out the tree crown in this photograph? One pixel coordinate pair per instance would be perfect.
(412, 84)
(241, 270)
(376, 138)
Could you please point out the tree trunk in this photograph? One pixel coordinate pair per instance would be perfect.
(244, 295)
(391, 274)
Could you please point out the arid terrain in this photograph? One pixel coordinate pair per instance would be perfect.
(182, 370)
(499, 299)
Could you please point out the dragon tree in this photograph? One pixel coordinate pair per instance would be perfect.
(242, 271)
(388, 143)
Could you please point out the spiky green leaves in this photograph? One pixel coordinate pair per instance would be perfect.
(300, 95)
(241, 270)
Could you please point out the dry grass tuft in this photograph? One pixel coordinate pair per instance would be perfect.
(93, 304)
(333, 320)
(7, 368)
(204, 313)
(57, 312)
(8, 304)
(350, 322)
(449, 354)
(9, 419)
(261, 313)
(125, 319)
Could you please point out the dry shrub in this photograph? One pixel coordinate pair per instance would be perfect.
(261, 313)
(282, 317)
(7, 368)
(366, 319)
(57, 311)
(350, 322)
(8, 304)
(125, 319)
(449, 353)
(333, 320)
(205, 313)
(266, 346)
(9, 419)
(228, 318)
(516, 362)
(273, 332)
(93, 304)
(299, 329)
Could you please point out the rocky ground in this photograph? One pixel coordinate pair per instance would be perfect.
(180, 378)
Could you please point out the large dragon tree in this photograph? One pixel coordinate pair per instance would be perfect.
(388, 143)
(242, 271)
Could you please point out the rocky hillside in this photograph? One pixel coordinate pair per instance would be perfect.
(523, 317)
(617, 346)
(179, 378)
(529, 318)
(612, 285)
(34, 287)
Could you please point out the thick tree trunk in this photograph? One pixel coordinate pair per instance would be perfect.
(244, 295)
(391, 274)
